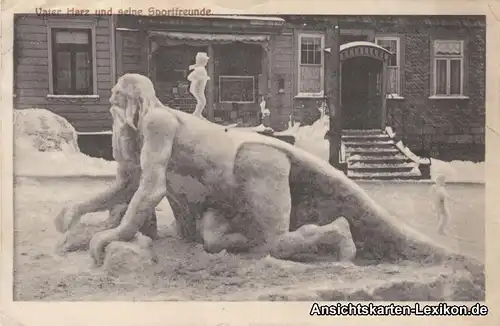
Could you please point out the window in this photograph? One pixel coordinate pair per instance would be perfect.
(236, 89)
(311, 65)
(392, 44)
(72, 61)
(448, 68)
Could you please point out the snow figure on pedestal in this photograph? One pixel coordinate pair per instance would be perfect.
(265, 113)
(199, 78)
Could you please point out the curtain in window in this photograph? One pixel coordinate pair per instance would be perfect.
(448, 47)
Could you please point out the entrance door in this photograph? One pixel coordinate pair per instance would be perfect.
(361, 88)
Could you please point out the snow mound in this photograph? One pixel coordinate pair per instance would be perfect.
(459, 171)
(46, 145)
(44, 131)
(312, 138)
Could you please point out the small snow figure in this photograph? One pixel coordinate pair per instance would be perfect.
(265, 113)
(199, 78)
(441, 203)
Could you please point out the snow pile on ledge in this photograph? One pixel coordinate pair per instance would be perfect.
(46, 145)
(311, 138)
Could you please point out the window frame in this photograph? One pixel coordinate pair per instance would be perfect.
(321, 93)
(252, 78)
(69, 25)
(448, 59)
(398, 57)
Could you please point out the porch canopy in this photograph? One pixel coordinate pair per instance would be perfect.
(364, 49)
(178, 38)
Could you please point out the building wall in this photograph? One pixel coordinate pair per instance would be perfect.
(282, 60)
(421, 121)
(131, 57)
(424, 121)
(285, 66)
(32, 74)
(128, 45)
(427, 125)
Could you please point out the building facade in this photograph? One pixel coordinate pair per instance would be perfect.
(422, 75)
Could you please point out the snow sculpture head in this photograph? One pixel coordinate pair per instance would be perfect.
(441, 180)
(131, 98)
(201, 59)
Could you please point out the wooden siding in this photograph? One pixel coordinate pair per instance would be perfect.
(129, 47)
(32, 73)
(282, 66)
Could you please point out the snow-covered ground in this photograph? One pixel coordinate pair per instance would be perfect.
(186, 272)
(45, 145)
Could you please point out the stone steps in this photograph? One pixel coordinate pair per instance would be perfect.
(370, 143)
(373, 154)
(379, 159)
(373, 151)
(388, 167)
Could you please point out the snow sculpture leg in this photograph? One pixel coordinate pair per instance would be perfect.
(126, 152)
(218, 235)
(263, 226)
(264, 221)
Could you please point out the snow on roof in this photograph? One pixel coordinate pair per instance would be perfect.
(362, 43)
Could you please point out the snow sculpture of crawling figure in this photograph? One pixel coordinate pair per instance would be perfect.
(199, 78)
(249, 193)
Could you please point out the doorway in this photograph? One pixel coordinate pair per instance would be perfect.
(361, 89)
